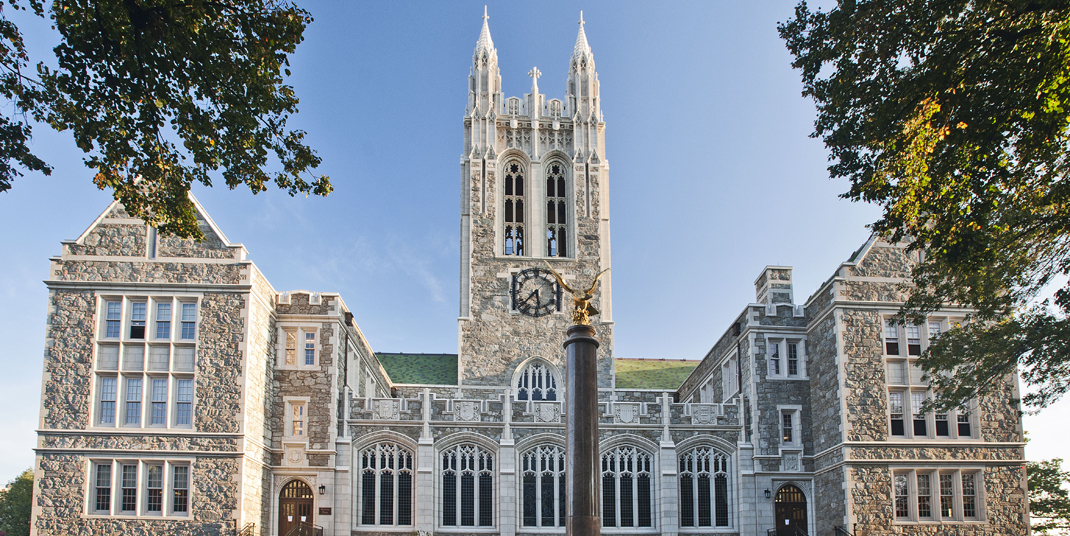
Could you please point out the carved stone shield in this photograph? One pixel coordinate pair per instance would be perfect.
(466, 411)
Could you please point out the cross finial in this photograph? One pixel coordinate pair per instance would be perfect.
(535, 73)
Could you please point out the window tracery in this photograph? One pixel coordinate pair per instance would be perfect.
(703, 488)
(536, 382)
(467, 487)
(386, 485)
(543, 481)
(556, 213)
(514, 209)
(627, 493)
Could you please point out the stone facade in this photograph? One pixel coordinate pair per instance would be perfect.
(183, 394)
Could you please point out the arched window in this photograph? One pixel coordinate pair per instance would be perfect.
(555, 108)
(467, 487)
(556, 213)
(543, 494)
(514, 209)
(536, 382)
(386, 485)
(703, 480)
(627, 493)
(513, 105)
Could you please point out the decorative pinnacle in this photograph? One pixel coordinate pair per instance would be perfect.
(534, 73)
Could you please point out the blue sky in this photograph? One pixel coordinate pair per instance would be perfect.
(713, 176)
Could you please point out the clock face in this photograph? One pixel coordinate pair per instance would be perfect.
(535, 292)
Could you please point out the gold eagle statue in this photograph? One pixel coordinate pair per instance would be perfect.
(581, 301)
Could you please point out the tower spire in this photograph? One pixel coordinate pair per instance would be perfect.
(581, 40)
(485, 42)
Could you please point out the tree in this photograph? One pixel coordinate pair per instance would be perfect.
(1049, 498)
(953, 115)
(15, 505)
(162, 94)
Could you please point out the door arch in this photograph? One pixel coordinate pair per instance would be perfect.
(790, 511)
(295, 505)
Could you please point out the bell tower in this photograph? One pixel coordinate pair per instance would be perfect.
(534, 191)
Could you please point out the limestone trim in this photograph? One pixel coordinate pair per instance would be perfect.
(154, 260)
(158, 432)
(388, 436)
(136, 287)
(972, 462)
(538, 440)
(458, 438)
(721, 444)
(142, 453)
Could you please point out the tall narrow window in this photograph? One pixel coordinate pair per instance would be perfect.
(183, 403)
(895, 408)
(297, 420)
(556, 212)
(703, 488)
(129, 483)
(774, 359)
(917, 400)
(902, 497)
(963, 421)
(386, 485)
(969, 496)
(189, 321)
(947, 496)
(793, 359)
(787, 427)
(536, 382)
(891, 338)
(291, 348)
(107, 400)
(163, 321)
(154, 487)
(180, 488)
(137, 320)
(925, 506)
(543, 477)
(626, 488)
(310, 347)
(102, 490)
(514, 209)
(913, 340)
(159, 402)
(112, 325)
(467, 487)
(133, 401)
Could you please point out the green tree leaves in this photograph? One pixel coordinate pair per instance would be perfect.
(162, 94)
(15, 504)
(1049, 497)
(954, 116)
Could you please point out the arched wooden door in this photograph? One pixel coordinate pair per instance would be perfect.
(295, 506)
(790, 511)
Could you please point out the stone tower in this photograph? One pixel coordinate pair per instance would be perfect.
(534, 190)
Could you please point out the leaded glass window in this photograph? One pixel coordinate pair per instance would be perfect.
(627, 492)
(703, 478)
(537, 382)
(467, 477)
(543, 482)
(513, 207)
(386, 485)
(556, 212)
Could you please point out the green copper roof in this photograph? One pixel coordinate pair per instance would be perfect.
(652, 373)
(433, 369)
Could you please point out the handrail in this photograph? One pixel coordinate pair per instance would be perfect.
(841, 530)
(305, 529)
(248, 530)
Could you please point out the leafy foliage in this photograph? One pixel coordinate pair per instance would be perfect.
(15, 505)
(953, 116)
(162, 94)
(23, 93)
(652, 373)
(1049, 496)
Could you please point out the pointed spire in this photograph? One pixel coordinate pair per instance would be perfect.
(581, 41)
(485, 42)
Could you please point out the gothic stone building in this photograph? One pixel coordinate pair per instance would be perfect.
(183, 394)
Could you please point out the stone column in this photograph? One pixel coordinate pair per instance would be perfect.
(581, 434)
